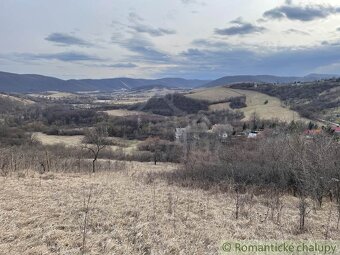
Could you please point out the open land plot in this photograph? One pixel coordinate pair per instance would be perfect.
(266, 107)
(130, 213)
(18, 99)
(128, 146)
(213, 94)
(57, 139)
(54, 95)
(123, 112)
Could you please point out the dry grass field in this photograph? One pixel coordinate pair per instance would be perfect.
(127, 146)
(18, 99)
(123, 112)
(255, 103)
(55, 95)
(273, 109)
(122, 101)
(128, 212)
(214, 94)
(56, 139)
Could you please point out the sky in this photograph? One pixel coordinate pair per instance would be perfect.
(194, 39)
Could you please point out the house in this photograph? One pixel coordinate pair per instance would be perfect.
(180, 134)
(252, 134)
(223, 131)
(312, 132)
(336, 130)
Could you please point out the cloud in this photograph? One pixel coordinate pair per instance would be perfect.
(211, 59)
(134, 17)
(62, 56)
(143, 48)
(67, 40)
(141, 28)
(124, 65)
(240, 28)
(138, 26)
(338, 29)
(301, 13)
(296, 31)
(189, 1)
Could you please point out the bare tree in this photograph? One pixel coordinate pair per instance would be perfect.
(95, 141)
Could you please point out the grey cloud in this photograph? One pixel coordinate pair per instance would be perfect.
(63, 56)
(139, 27)
(189, 1)
(209, 43)
(301, 13)
(338, 29)
(67, 40)
(296, 31)
(212, 62)
(240, 28)
(134, 17)
(143, 48)
(330, 43)
(124, 65)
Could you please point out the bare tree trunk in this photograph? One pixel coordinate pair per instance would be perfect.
(302, 212)
(94, 165)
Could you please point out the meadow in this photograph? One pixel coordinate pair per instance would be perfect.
(125, 210)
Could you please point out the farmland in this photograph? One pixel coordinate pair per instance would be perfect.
(266, 107)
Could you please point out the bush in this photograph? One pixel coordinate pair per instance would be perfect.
(288, 164)
(238, 102)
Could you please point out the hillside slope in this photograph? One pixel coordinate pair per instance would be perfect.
(227, 80)
(264, 106)
(312, 99)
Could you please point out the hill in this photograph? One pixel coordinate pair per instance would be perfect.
(266, 79)
(12, 104)
(172, 104)
(264, 106)
(24, 83)
(311, 99)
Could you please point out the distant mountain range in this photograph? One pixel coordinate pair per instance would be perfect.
(24, 83)
(10, 82)
(227, 80)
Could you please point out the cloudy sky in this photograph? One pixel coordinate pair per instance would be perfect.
(203, 39)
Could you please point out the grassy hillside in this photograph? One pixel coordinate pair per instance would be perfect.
(311, 100)
(10, 104)
(213, 95)
(265, 106)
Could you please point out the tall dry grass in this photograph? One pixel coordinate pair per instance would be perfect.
(132, 212)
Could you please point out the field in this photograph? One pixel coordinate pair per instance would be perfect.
(127, 211)
(214, 94)
(123, 112)
(55, 95)
(55, 139)
(122, 101)
(127, 146)
(17, 99)
(266, 107)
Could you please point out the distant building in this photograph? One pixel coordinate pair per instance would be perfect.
(312, 132)
(223, 131)
(180, 134)
(252, 134)
(336, 130)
